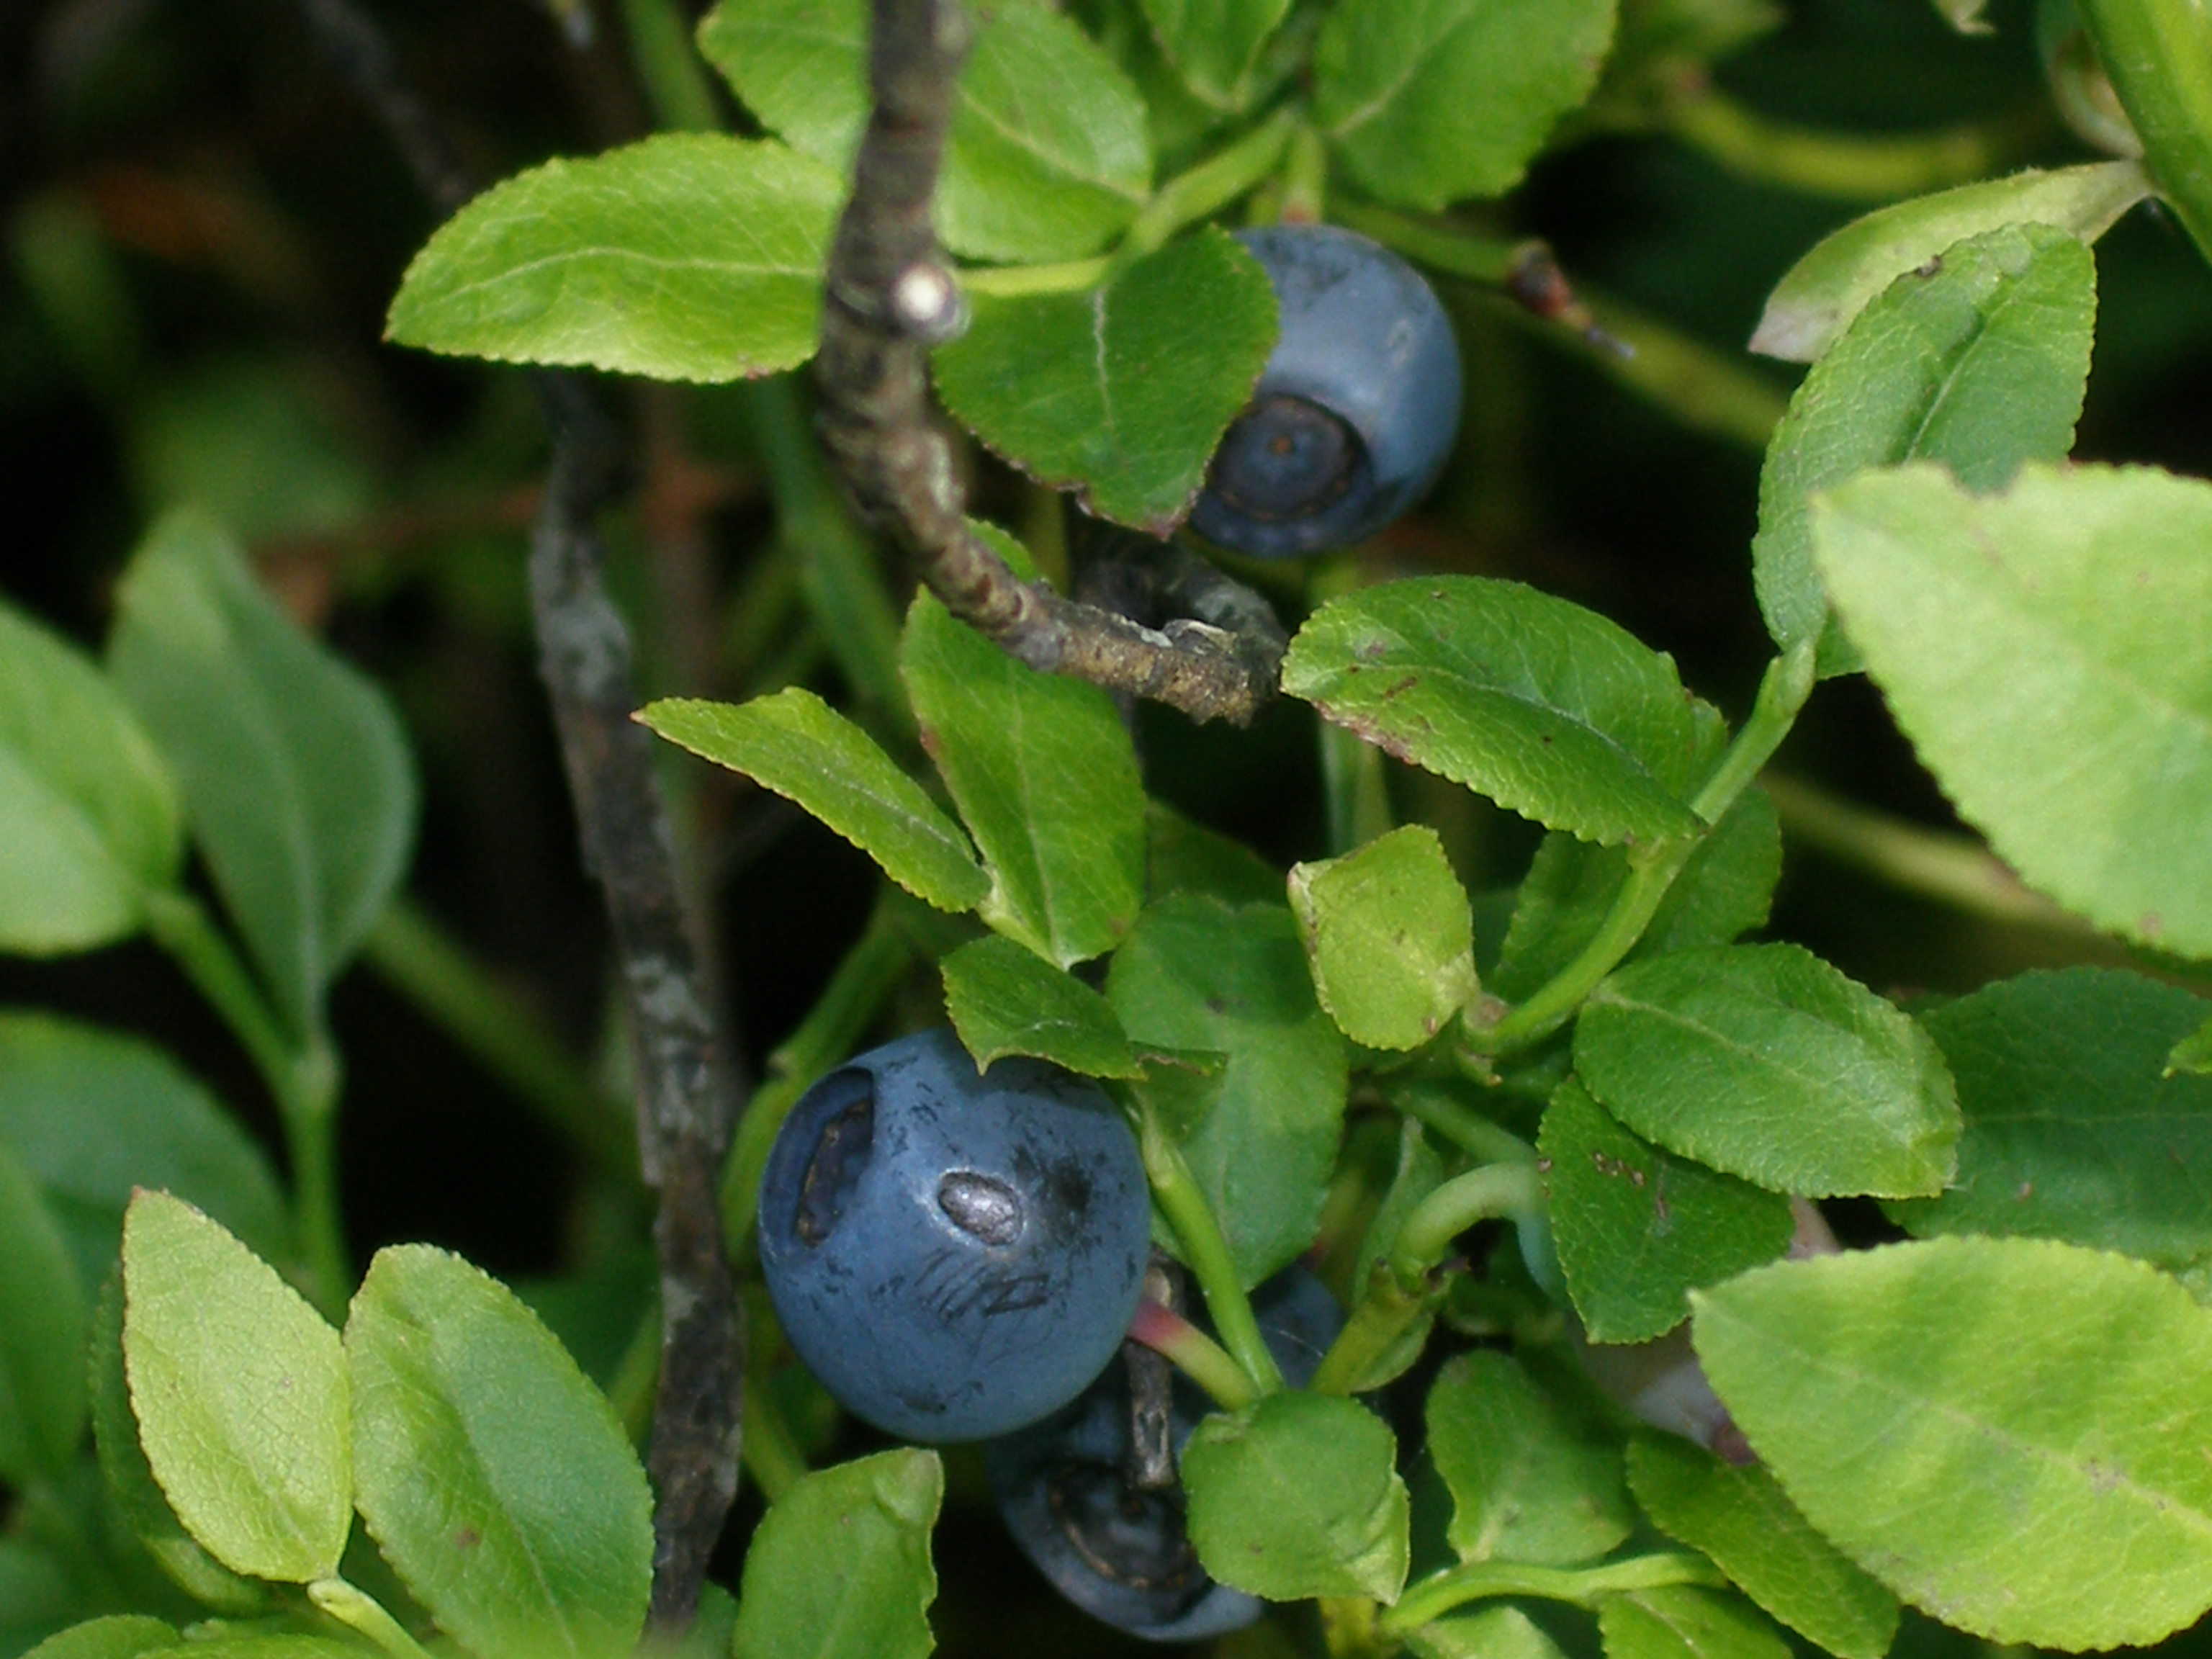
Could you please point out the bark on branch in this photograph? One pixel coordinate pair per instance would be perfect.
(891, 295)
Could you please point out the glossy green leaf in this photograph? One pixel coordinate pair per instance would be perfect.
(296, 776)
(1816, 299)
(1978, 360)
(1429, 104)
(1546, 708)
(87, 811)
(1636, 1229)
(1681, 1621)
(1004, 999)
(2007, 1433)
(1390, 938)
(240, 1393)
(1047, 157)
(804, 751)
(138, 1500)
(1042, 771)
(1528, 1482)
(1724, 890)
(688, 257)
(95, 1114)
(1121, 391)
(118, 1636)
(1215, 45)
(840, 1568)
(1261, 1135)
(42, 1334)
(496, 1478)
(1767, 1062)
(1738, 1515)
(2041, 649)
(1495, 1633)
(2073, 1130)
(1299, 1496)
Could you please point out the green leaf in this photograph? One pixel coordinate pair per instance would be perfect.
(1818, 297)
(118, 1636)
(42, 1333)
(1681, 1621)
(2073, 1130)
(240, 1393)
(804, 751)
(138, 1498)
(1260, 1136)
(1978, 360)
(1047, 157)
(1119, 392)
(1004, 999)
(87, 811)
(840, 1568)
(1528, 1482)
(1391, 936)
(1546, 708)
(1496, 1632)
(1433, 103)
(281, 1644)
(95, 1114)
(1215, 45)
(2040, 648)
(1766, 1062)
(1182, 857)
(494, 1478)
(1963, 16)
(1042, 771)
(296, 775)
(690, 256)
(1740, 1516)
(1637, 1229)
(2193, 1054)
(1299, 1496)
(1725, 889)
(2008, 1433)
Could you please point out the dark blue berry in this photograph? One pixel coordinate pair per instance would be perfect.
(953, 1255)
(1119, 1551)
(1355, 414)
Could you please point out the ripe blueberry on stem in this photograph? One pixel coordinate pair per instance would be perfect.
(953, 1254)
(1114, 1548)
(1356, 411)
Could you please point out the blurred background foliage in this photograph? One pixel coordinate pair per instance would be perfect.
(202, 229)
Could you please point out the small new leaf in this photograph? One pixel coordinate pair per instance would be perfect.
(1390, 937)
(1005, 999)
(840, 1568)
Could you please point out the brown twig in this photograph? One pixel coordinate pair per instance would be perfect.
(890, 296)
(685, 1091)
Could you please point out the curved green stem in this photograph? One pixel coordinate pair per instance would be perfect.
(1782, 692)
(1304, 198)
(300, 1073)
(1845, 166)
(1193, 1353)
(359, 1610)
(1007, 282)
(1176, 1190)
(1457, 1586)
(1201, 190)
(669, 66)
(1461, 1125)
(2157, 54)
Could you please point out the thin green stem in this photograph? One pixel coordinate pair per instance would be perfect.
(1435, 1597)
(2157, 54)
(1011, 282)
(1304, 198)
(1193, 1353)
(300, 1073)
(632, 1388)
(1490, 1193)
(668, 66)
(1354, 788)
(1176, 1190)
(1204, 190)
(1386, 1310)
(1461, 1125)
(1782, 692)
(1448, 249)
(849, 1005)
(771, 1452)
(359, 1610)
(1847, 166)
(416, 956)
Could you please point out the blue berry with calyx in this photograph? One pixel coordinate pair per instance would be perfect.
(953, 1253)
(1117, 1548)
(1355, 412)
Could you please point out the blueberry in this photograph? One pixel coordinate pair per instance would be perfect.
(954, 1256)
(1356, 410)
(1118, 1553)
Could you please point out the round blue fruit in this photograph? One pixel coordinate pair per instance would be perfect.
(1356, 411)
(954, 1254)
(1120, 1553)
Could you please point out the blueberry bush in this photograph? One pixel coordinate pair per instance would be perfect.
(1492, 1152)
